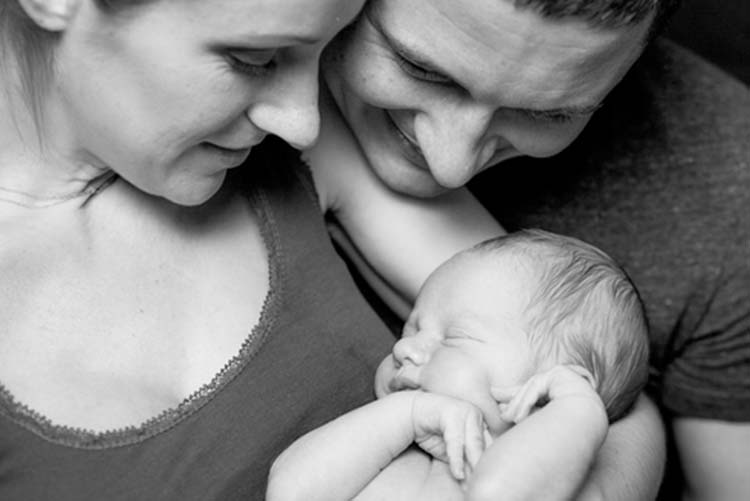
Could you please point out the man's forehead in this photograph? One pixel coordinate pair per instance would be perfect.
(488, 44)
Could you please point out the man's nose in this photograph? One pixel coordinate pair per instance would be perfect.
(457, 141)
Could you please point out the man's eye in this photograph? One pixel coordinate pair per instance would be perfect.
(550, 116)
(419, 72)
(252, 62)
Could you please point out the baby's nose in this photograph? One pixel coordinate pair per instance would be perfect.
(412, 350)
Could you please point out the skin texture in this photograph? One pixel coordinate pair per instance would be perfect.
(435, 91)
(172, 94)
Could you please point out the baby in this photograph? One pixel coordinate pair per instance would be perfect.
(517, 354)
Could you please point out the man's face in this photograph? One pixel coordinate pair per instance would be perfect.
(438, 90)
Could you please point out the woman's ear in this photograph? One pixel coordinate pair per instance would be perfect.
(52, 15)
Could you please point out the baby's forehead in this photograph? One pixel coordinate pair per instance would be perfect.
(481, 283)
(502, 264)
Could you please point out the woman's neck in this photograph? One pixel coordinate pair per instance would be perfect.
(39, 162)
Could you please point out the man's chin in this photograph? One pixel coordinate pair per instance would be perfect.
(410, 181)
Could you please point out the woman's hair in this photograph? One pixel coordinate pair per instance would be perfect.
(583, 310)
(30, 48)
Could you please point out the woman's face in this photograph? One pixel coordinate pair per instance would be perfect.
(438, 90)
(172, 94)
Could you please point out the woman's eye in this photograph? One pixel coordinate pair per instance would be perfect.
(419, 72)
(252, 62)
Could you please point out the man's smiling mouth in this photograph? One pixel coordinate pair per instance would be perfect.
(410, 144)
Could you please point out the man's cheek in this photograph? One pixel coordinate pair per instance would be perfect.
(544, 141)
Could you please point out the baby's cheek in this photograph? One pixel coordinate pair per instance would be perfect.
(472, 386)
(455, 380)
(383, 376)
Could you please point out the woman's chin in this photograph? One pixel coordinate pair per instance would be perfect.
(197, 192)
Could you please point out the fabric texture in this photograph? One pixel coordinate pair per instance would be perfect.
(660, 179)
(311, 358)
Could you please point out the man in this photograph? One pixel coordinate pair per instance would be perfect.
(437, 91)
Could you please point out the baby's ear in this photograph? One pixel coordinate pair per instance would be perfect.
(52, 15)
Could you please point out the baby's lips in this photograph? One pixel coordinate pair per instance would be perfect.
(404, 380)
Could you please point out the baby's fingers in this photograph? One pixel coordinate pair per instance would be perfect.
(503, 394)
(524, 401)
(474, 439)
(454, 449)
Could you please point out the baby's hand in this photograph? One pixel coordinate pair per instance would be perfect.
(517, 402)
(449, 429)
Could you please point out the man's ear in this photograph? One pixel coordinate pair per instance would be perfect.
(52, 15)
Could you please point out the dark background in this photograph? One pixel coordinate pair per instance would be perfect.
(718, 30)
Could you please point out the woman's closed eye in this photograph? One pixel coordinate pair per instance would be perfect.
(254, 62)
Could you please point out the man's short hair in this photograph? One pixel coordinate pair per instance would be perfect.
(605, 13)
(583, 310)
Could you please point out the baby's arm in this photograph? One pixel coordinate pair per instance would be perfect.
(547, 455)
(401, 238)
(339, 459)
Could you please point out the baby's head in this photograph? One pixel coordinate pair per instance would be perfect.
(581, 309)
(516, 305)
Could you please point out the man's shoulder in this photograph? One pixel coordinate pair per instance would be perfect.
(674, 68)
(674, 96)
(674, 111)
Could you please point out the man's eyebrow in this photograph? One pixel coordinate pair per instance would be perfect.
(407, 52)
(413, 56)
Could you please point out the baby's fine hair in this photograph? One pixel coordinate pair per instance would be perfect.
(583, 310)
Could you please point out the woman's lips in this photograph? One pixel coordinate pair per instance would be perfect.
(230, 157)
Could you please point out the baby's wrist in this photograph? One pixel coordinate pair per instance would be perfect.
(587, 411)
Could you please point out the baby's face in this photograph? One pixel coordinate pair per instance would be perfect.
(463, 336)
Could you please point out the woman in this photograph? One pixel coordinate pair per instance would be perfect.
(164, 334)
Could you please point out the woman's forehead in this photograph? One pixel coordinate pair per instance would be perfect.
(288, 21)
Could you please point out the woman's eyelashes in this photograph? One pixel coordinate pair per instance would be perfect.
(253, 62)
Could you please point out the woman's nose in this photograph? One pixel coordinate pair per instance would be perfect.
(411, 349)
(290, 107)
